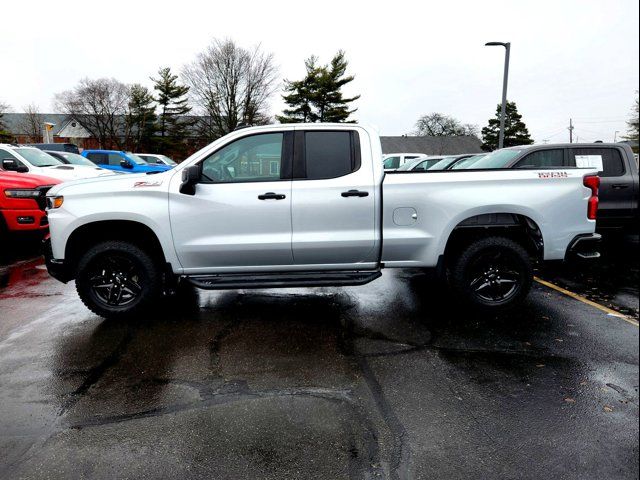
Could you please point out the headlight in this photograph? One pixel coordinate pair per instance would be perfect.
(22, 193)
(54, 202)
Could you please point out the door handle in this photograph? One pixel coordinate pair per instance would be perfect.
(354, 193)
(619, 186)
(271, 196)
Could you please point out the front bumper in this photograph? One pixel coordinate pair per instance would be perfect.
(584, 247)
(25, 220)
(56, 268)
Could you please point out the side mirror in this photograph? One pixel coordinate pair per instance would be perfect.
(190, 177)
(126, 164)
(12, 165)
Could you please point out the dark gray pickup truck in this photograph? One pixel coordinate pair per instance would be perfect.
(618, 171)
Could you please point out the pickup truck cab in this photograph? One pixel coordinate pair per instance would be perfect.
(23, 159)
(310, 205)
(616, 165)
(120, 161)
(23, 201)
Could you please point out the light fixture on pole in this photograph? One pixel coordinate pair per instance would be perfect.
(503, 112)
(48, 127)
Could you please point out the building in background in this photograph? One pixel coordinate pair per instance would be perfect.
(432, 145)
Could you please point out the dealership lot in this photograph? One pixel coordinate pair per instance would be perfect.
(388, 380)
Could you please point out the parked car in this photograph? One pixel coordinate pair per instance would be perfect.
(120, 161)
(57, 147)
(249, 212)
(74, 159)
(154, 158)
(391, 161)
(464, 163)
(22, 159)
(618, 170)
(419, 164)
(435, 163)
(445, 163)
(23, 202)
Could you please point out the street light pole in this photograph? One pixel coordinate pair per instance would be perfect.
(505, 80)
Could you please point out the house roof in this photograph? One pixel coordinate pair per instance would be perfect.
(15, 121)
(432, 145)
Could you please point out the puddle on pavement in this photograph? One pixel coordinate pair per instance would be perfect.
(22, 274)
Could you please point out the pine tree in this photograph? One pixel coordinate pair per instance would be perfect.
(515, 130)
(318, 96)
(141, 118)
(299, 95)
(5, 136)
(172, 102)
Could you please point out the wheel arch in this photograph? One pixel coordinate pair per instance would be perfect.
(516, 226)
(89, 234)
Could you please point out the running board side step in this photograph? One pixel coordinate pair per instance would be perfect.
(232, 281)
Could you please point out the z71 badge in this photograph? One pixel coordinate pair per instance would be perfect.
(553, 174)
(157, 183)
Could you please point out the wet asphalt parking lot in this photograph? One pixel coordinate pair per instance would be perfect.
(389, 380)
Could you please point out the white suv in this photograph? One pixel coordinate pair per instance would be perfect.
(19, 158)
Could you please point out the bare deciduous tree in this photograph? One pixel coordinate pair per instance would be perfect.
(99, 106)
(231, 85)
(32, 123)
(439, 125)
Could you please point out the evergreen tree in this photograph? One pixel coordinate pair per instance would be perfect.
(515, 130)
(299, 94)
(141, 118)
(172, 102)
(318, 96)
(5, 136)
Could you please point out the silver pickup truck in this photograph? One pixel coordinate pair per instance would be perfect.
(310, 205)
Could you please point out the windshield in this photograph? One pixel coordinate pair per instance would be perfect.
(420, 164)
(37, 157)
(75, 159)
(466, 163)
(441, 164)
(166, 160)
(391, 162)
(497, 159)
(136, 159)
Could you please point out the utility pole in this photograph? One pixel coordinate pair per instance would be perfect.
(570, 130)
(615, 136)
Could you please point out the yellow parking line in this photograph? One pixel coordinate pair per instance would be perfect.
(580, 298)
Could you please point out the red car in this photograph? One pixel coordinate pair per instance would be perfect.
(23, 202)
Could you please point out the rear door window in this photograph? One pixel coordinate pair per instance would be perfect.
(543, 159)
(609, 158)
(328, 154)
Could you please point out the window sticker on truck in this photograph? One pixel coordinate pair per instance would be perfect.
(583, 161)
(553, 174)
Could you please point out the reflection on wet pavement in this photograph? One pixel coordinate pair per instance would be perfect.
(388, 380)
(611, 280)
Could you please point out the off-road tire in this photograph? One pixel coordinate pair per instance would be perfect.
(147, 272)
(472, 257)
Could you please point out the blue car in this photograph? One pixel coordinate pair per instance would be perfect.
(120, 161)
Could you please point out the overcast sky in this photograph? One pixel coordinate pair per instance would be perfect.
(574, 59)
